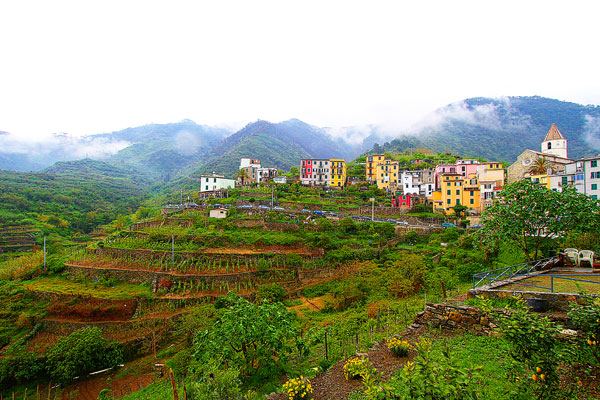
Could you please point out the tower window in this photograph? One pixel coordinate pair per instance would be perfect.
(549, 145)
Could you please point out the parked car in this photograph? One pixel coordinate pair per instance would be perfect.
(448, 225)
(277, 208)
(305, 210)
(476, 226)
(264, 207)
(317, 212)
(246, 206)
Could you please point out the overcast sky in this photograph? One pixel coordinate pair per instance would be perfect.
(86, 67)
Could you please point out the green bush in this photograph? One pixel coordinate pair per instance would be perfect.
(272, 293)
(81, 352)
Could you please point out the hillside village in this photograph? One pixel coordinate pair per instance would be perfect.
(465, 186)
(399, 274)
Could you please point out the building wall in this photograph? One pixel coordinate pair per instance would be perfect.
(315, 172)
(210, 183)
(456, 189)
(338, 172)
(555, 147)
(387, 174)
(371, 165)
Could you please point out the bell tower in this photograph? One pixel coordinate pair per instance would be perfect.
(555, 143)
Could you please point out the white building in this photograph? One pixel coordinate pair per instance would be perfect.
(418, 182)
(584, 174)
(211, 182)
(249, 162)
(555, 143)
(218, 213)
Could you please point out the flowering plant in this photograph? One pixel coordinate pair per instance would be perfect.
(298, 388)
(400, 348)
(358, 368)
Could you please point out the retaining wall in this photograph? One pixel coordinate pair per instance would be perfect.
(556, 301)
(453, 317)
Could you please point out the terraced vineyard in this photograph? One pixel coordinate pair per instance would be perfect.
(150, 274)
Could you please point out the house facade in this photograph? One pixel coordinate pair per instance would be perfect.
(323, 172)
(212, 182)
(387, 174)
(371, 167)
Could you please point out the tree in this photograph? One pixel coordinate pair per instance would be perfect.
(527, 214)
(242, 175)
(81, 352)
(459, 210)
(250, 335)
(540, 166)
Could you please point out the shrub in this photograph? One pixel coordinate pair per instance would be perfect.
(298, 388)
(272, 293)
(400, 348)
(82, 352)
(434, 378)
(358, 368)
(587, 320)
(214, 383)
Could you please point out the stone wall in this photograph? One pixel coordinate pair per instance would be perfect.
(556, 301)
(454, 317)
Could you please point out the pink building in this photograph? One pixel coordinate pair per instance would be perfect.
(462, 167)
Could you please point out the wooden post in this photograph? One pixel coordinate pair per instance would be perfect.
(326, 355)
(443, 289)
(174, 385)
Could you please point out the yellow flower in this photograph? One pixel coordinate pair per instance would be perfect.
(538, 370)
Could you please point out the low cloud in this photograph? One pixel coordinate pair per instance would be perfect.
(187, 143)
(591, 131)
(62, 147)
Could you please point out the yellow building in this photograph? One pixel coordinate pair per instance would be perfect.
(338, 172)
(456, 189)
(371, 166)
(386, 174)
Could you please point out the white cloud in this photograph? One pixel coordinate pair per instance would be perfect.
(591, 133)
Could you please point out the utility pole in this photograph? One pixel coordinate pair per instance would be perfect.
(181, 197)
(172, 250)
(272, 197)
(372, 208)
(44, 252)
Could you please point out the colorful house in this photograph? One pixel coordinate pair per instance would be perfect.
(338, 172)
(323, 172)
(402, 201)
(456, 189)
(387, 174)
(371, 166)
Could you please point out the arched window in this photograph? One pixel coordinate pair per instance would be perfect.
(549, 145)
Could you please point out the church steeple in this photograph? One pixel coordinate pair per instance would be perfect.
(555, 143)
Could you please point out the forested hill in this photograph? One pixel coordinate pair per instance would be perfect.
(65, 203)
(99, 169)
(500, 129)
(280, 145)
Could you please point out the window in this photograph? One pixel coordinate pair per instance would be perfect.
(579, 177)
(448, 201)
(215, 181)
(594, 197)
(549, 145)
(565, 180)
(448, 192)
(471, 201)
(472, 193)
(457, 191)
(594, 186)
(595, 163)
(206, 187)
